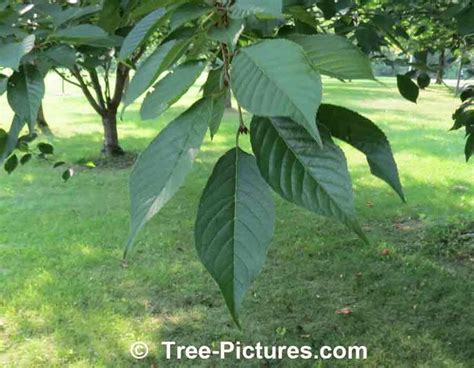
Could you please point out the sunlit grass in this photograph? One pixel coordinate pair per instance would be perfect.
(65, 299)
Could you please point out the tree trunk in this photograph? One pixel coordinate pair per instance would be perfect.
(440, 73)
(111, 143)
(42, 123)
(458, 83)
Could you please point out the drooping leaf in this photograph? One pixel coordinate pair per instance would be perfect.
(408, 89)
(364, 135)
(140, 33)
(234, 226)
(313, 177)
(11, 53)
(25, 92)
(335, 56)
(275, 78)
(162, 167)
(169, 89)
(244, 8)
(11, 164)
(148, 72)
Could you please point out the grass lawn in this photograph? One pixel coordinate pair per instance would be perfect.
(65, 300)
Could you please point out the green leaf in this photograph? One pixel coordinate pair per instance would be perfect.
(423, 80)
(26, 158)
(218, 109)
(110, 16)
(234, 226)
(162, 167)
(186, 13)
(59, 163)
(408, 89)
(11, 164)
(46, 148)
(469, 150)
(62, 56)
(275, 78)
(170, 89)
(229, 34)
(12, 139)
(60, 16)
(214, 83)
(328, 7)
(3, 84)
(465, 21)
(11, 53)
(365, 136)
(140, 33)
(25, 92)
(148, 72)
(80, 33)
(467, 93)
(67, 174)
(302, 172)
(3, 140)
(145, 7)
(244, 8)
(335, 56)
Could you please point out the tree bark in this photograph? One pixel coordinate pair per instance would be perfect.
(111, 145)
(42, 123)
(441, 64)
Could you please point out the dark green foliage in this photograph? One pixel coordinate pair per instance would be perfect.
(408, 89)
(11, 164)
(423, 80)
(46, 148)
(26, 158)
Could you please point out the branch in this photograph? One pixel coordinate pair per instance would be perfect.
(107, 82)
(97, 87)
(121, 80)
(82, 84)
(66, 79)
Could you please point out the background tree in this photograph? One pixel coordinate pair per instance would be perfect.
(81, 43)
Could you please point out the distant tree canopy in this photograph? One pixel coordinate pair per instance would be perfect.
(268, 54)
